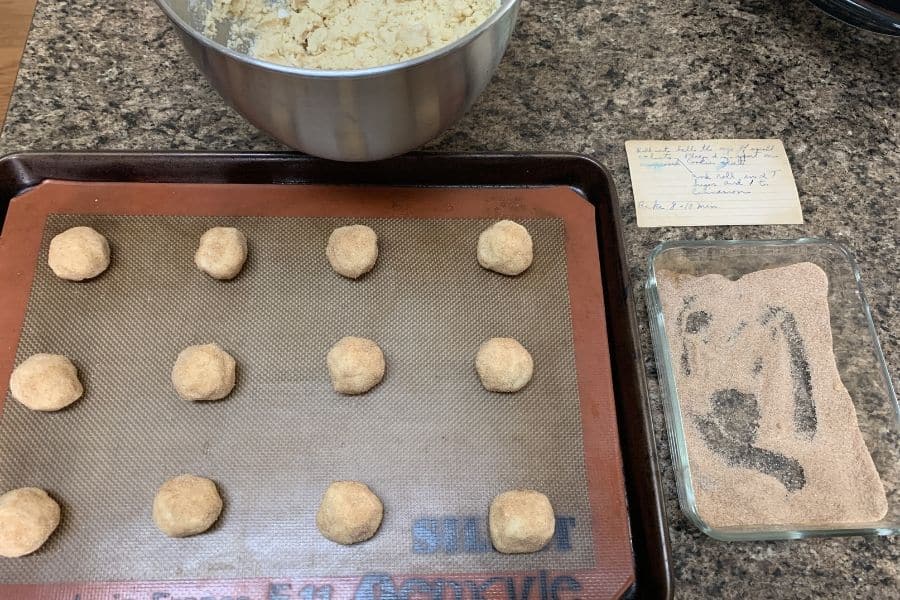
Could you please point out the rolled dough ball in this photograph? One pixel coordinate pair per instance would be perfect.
(356, 365)
(521, 521)
(505, 247)
(204, 372)
(350, 512)
(352, 250)
(504, 365)
(28, 516)
(186, 505)
(222, 252)
(78, 253)
(45, 382)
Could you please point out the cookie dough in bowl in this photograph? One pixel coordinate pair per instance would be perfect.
(342, 34)
(350, 81)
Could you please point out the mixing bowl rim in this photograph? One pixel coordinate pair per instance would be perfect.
(502, 10)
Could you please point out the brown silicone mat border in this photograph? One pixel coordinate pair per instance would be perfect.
(21, 244)
(646, 516)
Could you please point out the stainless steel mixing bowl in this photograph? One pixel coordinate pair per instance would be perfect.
(353, 115)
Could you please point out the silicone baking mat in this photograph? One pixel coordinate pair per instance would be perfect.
(432, 443)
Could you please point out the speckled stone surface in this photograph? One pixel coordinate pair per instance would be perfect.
(580, 76)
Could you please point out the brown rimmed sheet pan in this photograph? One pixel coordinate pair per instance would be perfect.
(429, 440)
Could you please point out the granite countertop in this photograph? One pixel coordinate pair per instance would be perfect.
(579, 76)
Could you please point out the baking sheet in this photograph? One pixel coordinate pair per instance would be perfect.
(433, 444)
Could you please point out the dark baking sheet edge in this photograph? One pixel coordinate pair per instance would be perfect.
(650, 540)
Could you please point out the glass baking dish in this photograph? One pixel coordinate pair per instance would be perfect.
(857, 352)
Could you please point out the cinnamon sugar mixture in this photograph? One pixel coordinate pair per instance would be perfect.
(771, 431)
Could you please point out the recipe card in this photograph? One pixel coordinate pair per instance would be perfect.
(712, 182)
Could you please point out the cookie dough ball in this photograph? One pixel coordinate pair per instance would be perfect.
(356, 365)
(45, 382)
(521, 521)
(505, 247)
(28, 516)
(222, 252)
(353, 250)
(504, 365)
(350, 512)
(204, 372)
(78, 253)
(186, 505)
